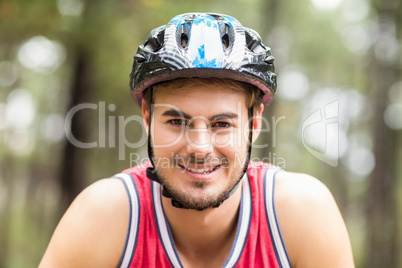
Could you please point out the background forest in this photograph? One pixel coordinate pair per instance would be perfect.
(67, 118)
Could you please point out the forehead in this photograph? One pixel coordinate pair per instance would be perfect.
(201, 98)
(202, 82)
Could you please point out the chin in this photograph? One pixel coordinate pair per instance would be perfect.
(200, 195)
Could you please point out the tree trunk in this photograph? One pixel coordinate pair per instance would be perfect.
(7, 175)
(72, 169)
(269, 12)
(382, 202)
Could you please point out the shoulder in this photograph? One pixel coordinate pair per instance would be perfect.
(300, 187)
(93, 230)
(311, 223)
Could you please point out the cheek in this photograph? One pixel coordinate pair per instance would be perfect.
(228, 139)
(165, 137)
(232, 144)
(222, 139)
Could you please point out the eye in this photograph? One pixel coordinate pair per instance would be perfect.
(177, 122)
(222, 124)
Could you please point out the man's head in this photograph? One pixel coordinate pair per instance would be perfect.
(200, 134)
(203, 81)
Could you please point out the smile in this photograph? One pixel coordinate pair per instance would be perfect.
(205, 170)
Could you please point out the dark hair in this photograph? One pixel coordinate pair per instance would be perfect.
(252, 93)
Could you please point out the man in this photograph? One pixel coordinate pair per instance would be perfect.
(203, 81)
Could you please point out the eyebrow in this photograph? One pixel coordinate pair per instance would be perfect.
(178, 113)
(224, 116)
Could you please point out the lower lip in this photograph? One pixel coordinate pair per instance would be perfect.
(199, 176)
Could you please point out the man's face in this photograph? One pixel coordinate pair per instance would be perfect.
(200, 138)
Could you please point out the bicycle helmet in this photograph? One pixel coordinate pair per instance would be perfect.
(203, 45)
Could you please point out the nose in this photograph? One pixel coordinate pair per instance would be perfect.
(199, 141)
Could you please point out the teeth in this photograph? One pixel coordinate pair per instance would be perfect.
(200, 171)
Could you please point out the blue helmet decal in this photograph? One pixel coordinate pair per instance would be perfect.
(205, 45)
(228, 20)
(178, 20)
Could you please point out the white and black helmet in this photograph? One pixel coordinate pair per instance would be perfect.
(203, 45)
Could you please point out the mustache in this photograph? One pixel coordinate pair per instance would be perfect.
(193, 159)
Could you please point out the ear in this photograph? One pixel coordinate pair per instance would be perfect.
(145, 115)
(257, 122)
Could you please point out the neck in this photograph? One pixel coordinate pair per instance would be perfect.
(204, 235)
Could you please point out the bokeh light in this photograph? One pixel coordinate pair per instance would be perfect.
(41, 54)
(70, 7)
(325, 5)
(20, 109)
(293, 84)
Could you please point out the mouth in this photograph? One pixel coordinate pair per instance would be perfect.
(202, 171)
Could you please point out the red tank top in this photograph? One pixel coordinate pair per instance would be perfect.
(258, 241)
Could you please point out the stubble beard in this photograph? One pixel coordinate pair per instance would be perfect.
(206, 200)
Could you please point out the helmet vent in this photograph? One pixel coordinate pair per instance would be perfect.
(251, 42)
(139, 58)
(227, 36)
(254, 41)
(225, 41)
(184, 40)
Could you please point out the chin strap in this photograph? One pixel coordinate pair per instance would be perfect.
(153, 175)
(151, 171)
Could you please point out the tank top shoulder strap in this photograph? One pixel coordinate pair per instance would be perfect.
(134, 221)
(269, 200)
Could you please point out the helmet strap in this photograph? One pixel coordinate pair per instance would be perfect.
(151, 171)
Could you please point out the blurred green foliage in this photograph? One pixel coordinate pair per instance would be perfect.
(326, 51)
